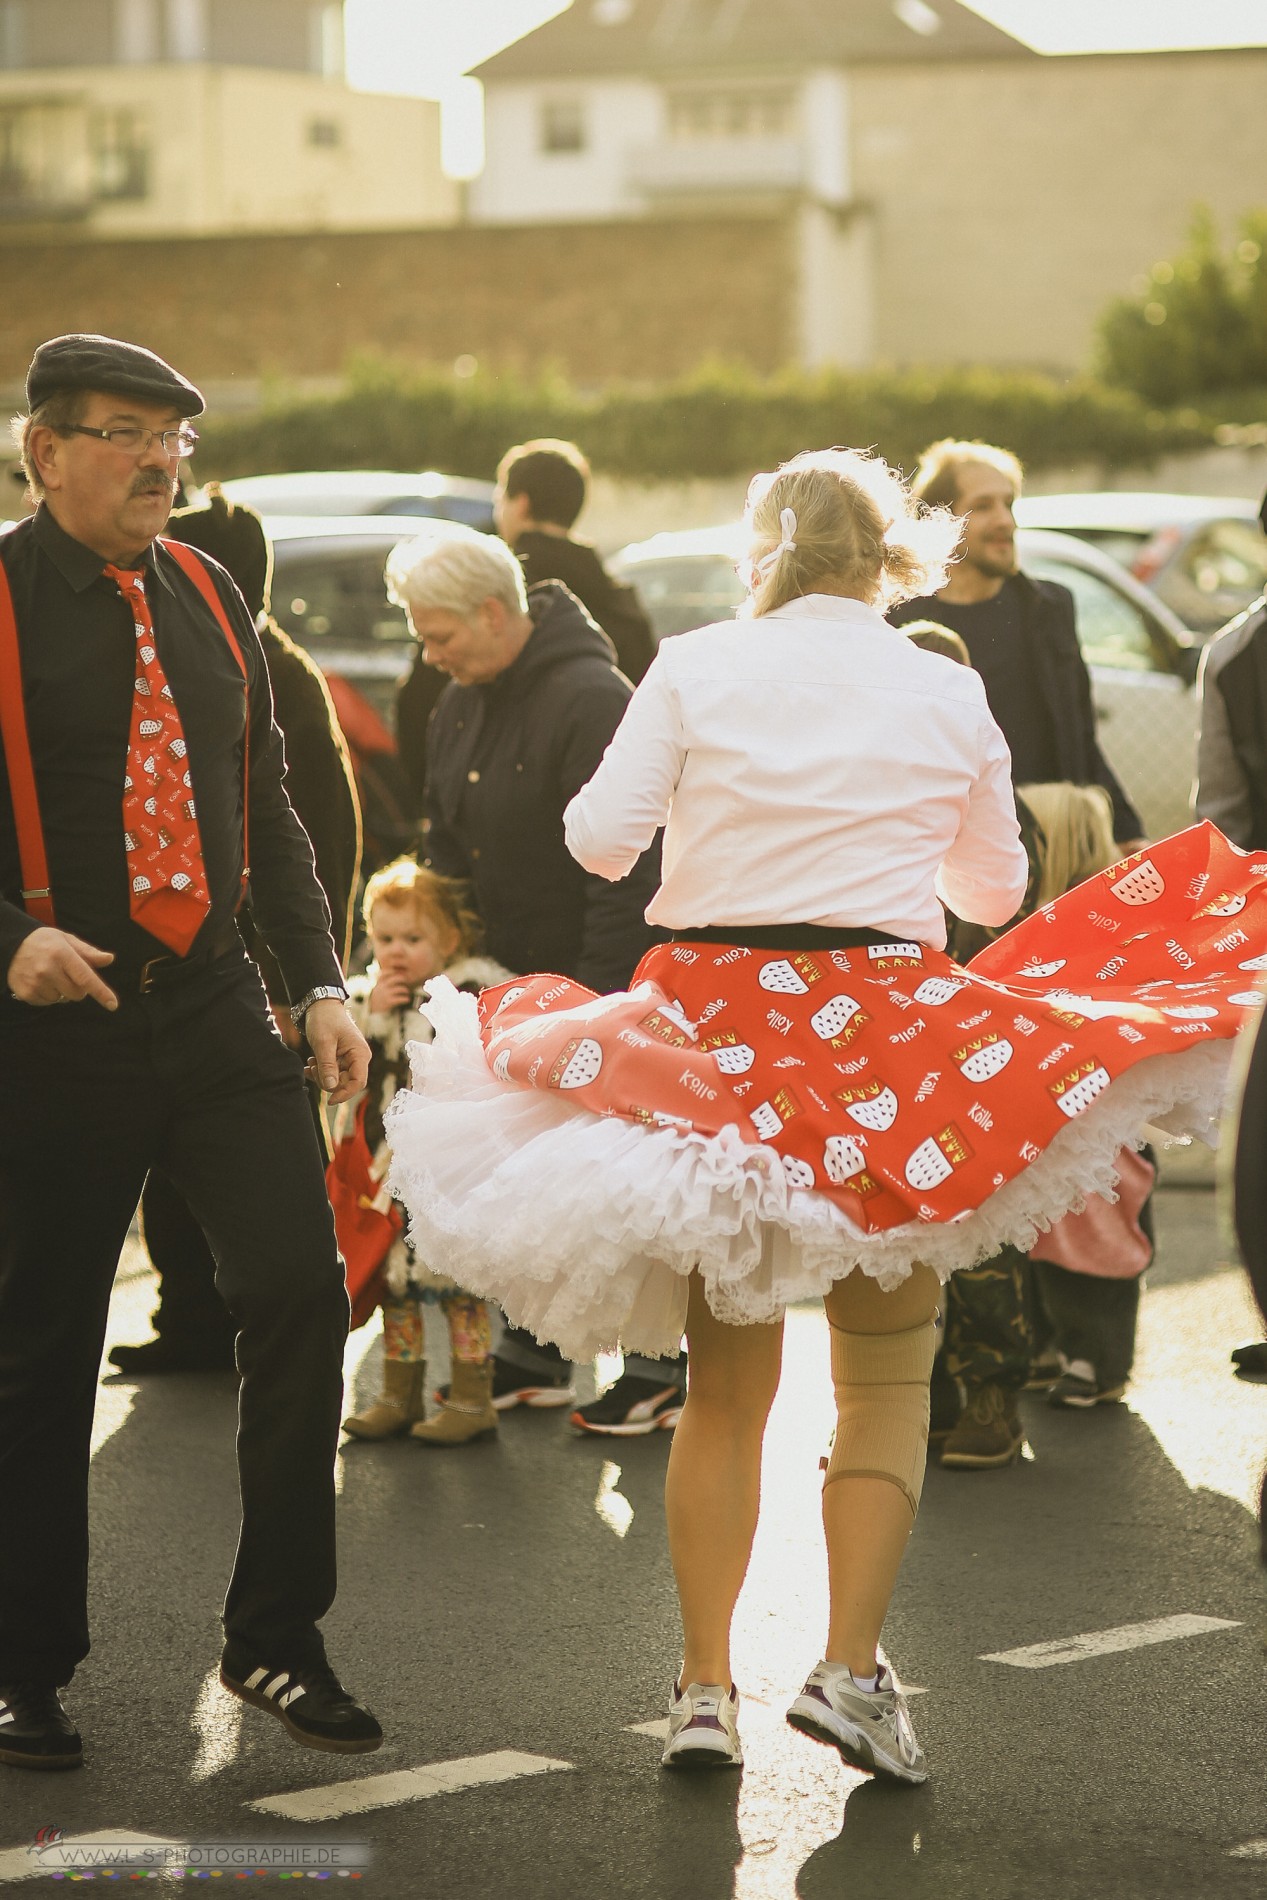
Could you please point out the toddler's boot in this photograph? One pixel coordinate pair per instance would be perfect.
(400, 1403)
(467, 1412)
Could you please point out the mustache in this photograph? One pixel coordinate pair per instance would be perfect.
(152, 483)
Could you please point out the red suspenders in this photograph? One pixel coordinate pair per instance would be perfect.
(36, 895)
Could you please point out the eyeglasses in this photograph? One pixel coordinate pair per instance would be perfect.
(176, 442)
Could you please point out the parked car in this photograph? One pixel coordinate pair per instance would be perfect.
(1141, 657)
(364, 491)
(1205, 556)
(329, 595)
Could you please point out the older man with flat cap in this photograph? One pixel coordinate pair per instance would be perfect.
(141, 766)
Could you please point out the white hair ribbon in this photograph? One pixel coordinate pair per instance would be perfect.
(787, 528)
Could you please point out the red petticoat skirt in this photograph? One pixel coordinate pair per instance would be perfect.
(777, 1118)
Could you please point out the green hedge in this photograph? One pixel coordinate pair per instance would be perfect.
(722, 421)
(1195, 327)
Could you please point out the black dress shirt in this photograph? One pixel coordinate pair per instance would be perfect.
(76, 640)
(1002, 651)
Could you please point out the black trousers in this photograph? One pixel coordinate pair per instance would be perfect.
(189, 1312)
(194, 1080)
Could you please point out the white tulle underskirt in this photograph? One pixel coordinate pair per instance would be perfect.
(584, 1228)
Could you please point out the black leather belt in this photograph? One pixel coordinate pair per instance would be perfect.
(787, 936)
(166, 971)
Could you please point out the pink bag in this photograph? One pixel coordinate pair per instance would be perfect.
(1106, 1239)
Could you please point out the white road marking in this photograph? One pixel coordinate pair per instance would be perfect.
(1162, 1629)
(19, 1863)
(409, 1784)
(616, 1511)
(1249, 1850)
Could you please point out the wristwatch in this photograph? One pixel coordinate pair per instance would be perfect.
(335, 991)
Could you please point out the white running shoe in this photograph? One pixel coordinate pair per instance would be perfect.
(871, 1731)
(703, 1727)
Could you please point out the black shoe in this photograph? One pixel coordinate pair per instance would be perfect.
(513, 1386)
(311, 1702)
(165, 1355)
(631, 1408)
(35, 1730)
(1251, 1362)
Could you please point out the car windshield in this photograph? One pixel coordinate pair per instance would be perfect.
(326, 597)
(680, 592)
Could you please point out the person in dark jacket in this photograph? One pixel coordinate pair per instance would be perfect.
(1231, 791)
(1231, 785)
(541, 489)
(1020, 633)
(533, 699)
(195, 1330)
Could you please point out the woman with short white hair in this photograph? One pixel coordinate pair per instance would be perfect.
(802, 1096)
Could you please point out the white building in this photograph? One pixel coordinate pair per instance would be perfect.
(647, 108)
(947, 195)
(163, 118)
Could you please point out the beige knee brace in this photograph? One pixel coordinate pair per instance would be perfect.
(881, 1382)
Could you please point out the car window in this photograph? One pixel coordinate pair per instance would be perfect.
(686, 591)
(470, 510)
(336, 597)
(1229, 558)
(1111, 629)
(1120, 544)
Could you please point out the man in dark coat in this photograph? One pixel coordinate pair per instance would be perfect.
(533, 700)
(1231, 787)
(541, 489)
(1020, 633)
(1231, 791)
(194, 1327)
(137, 729)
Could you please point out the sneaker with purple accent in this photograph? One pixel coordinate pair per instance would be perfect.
(872, 1730)
(703, 1727)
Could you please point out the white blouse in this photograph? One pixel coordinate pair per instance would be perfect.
(811, 766)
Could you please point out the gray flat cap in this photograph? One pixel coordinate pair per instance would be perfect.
(102, 362)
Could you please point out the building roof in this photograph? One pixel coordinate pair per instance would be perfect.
(597, 37)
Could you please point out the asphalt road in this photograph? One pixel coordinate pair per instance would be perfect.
(508, 1608)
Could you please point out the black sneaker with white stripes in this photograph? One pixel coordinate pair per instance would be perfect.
(35, 1730)
(310, 1702)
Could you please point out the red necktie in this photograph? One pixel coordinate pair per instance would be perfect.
(166, 875)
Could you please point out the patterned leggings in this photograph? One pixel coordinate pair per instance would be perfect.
(470, 1333)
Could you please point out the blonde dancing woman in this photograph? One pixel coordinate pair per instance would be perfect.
(801, 1096)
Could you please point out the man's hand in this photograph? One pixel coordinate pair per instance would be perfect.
(51, 966)
(340, 1060)
(392, 991)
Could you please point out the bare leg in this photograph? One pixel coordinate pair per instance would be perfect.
(868, 1520)
(713, 1488)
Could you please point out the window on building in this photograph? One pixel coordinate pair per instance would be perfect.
(563, 126)
(120, 156)
(12, 33)
(731, 112)
(137, 37)
(42, 173)
(326, 133)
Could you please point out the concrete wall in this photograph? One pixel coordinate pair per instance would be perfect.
(642, 301)
(1011, 203)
